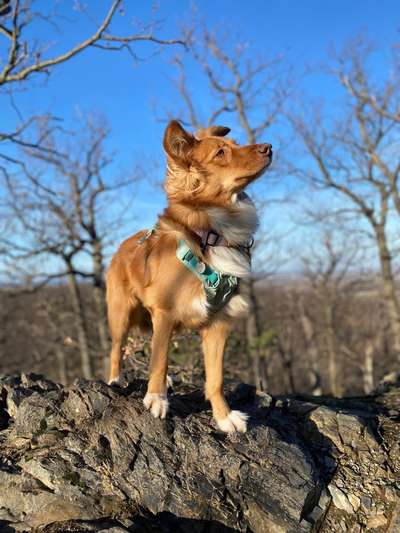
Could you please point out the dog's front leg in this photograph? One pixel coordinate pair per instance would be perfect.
(156, 396)
(214, 338)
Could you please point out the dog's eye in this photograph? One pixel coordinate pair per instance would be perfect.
(220, 153)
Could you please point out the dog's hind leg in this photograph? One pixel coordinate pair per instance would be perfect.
(156, 397)
(120, 309)
(214, 338)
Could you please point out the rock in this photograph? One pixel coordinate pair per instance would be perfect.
(339, 499)
(354, 501)
(377, 521)
(90, 458)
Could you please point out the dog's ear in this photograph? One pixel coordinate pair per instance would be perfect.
(212, 131)
(177, 141)
(219, 131)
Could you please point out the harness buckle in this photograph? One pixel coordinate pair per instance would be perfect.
(211, 240)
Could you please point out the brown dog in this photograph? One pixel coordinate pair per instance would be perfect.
(185, 272)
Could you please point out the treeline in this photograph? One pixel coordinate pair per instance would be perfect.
(305, 346)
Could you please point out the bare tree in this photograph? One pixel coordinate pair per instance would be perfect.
(54, 231)
(365, 348)
(50, 329)
(331, 266)
(56, 201)
(357, 157)
(377, 95)
(27, 55)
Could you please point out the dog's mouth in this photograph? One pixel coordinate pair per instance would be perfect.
(245, 180)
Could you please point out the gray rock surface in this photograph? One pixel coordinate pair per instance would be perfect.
(89, 458)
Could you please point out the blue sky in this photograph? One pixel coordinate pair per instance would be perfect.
(133, 94)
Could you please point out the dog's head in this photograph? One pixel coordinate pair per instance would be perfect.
(209, 168)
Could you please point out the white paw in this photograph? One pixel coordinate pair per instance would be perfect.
(115, 381)
(170, 383)
(157, 404)
(235, 421)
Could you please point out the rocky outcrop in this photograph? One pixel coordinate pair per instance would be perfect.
(89, 458)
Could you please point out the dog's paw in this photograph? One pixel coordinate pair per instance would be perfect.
(235, 421)
(157, 404)
(115, 381)
(170, 382)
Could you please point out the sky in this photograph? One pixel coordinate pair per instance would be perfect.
(135, 95)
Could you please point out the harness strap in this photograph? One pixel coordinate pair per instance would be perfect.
(219, 287)
(148, 234)
(204, 272)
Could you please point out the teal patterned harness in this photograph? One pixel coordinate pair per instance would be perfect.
(219, 287)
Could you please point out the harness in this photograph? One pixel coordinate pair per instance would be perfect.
(219, 287)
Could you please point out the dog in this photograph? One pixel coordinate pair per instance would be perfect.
(185, 272)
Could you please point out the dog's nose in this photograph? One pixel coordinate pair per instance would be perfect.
(265, 149)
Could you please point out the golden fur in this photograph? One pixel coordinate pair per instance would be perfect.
(148, 287)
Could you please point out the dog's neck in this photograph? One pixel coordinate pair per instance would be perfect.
(235, 223)
(188, 216)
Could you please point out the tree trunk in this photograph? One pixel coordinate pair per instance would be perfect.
(100, 302)
(312, 351)
(80, 324)
(286, 355)
(62, 367)
(264, 359)
(90, 458)
(331, 346)
(368, 366)
(253, 329)
(389, 288)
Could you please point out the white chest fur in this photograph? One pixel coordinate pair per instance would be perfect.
(237, 227)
